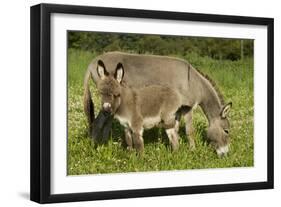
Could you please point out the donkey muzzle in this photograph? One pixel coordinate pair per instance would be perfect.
(107, 107)
(222, 151)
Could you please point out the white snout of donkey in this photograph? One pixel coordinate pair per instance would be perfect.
(221, 151)
(106, 106)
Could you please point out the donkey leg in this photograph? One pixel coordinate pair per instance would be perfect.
(171, 124)
(177, 124)
(169, 121)
(138, 140)
(101, 127)
(89, 107)
(173, 138)
(189, 129)
(128, 138)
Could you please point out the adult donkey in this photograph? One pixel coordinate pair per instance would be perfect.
(194, 88)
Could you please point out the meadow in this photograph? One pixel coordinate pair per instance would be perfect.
(233, 78)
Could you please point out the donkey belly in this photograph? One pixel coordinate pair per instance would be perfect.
(150, 122)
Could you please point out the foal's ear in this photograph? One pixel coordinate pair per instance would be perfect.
(225, 110)
(119, 73)
(101, 70)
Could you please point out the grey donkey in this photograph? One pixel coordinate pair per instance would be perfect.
(139, 109)
(194, 88)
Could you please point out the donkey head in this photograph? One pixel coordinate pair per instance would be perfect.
(218, 131)
(109, 87)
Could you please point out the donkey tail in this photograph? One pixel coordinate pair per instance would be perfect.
(88, 103)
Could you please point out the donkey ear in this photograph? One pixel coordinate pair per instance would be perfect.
(119, 73)
(225, 110)
(101, 70)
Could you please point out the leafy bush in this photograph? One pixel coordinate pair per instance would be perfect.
(216, 48)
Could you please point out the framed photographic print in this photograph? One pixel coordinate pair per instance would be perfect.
(133, 103)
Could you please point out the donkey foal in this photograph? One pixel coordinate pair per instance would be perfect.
(139, 109)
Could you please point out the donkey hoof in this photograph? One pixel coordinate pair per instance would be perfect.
(175, 148)
(140, 151)
(129, 148)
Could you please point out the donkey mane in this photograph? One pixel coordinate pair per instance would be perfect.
(213, 83)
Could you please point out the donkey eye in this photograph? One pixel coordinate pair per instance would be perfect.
(226, 131)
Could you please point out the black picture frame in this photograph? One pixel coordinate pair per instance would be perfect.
(41, 99)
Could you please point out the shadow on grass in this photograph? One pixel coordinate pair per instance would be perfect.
(153, 135)
(156, 135)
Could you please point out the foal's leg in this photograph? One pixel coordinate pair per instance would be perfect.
(128, 138)
(137, 131)
(189, 129)
(171, 124)
(173, 138)
(138, 140)
(169, 120)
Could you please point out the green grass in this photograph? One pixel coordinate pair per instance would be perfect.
(235, 80)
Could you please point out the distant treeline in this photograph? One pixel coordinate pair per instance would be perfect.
(217, 48)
